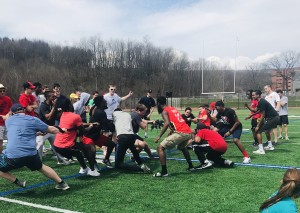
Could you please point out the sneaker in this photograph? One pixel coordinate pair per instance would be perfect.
(191, 169)
(280, 137)
(62, 186)
(97, 167)
(84, 171)
(255, 144)
(93, 173)
(287, 138)
(145, 168)
(259, 152)
(108, 164)
(198, 167)
(266, 143)
(229, 163)
(21, 183)
(207, 164)
(158, 174)
(63, 163)
(270, 148)
(246, 160)
(72, 161)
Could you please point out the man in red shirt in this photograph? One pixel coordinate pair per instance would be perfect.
(27, 100)
(180, 135)
(212, 144)
(203, 118)
(5, 105)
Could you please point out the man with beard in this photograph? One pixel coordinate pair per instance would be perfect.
(180, 135)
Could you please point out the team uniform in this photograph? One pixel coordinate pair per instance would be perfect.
(254, 104)
(226, 120)
(26, 100)
(5, 105)
(206, 122)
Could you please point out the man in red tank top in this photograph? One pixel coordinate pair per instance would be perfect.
(179, 136)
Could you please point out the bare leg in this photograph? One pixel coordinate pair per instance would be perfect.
(239, 144)
(1, 146)
(50, 173)
(275, 135)
(8, 176)
(285, 126)
(161, 155)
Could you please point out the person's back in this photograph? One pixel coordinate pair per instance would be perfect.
(122, 121)
(284, 205)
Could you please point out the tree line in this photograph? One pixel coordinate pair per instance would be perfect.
(93, 63)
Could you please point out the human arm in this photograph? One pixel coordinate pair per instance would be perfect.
(127, 96)
(165, 126)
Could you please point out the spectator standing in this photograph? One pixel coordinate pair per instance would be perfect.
(283, 114)
(27, 100)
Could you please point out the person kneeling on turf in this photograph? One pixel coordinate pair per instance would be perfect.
(213, 145)
(21, 148)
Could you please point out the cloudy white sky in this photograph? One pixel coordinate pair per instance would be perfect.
(220, 30)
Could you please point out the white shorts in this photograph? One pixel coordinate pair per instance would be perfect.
(3, 133)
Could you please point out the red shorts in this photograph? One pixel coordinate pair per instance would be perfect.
(101, 141)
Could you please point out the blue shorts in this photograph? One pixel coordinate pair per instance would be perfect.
(32, 162)
(235, 134)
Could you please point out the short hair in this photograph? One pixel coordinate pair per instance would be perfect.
(37, 84)
(220, 103)
(56, 85)
(162, 100)
(95, 92)
(47, 94)
(140, 107)
(188, 108)
(204, 105)
(112, 85)
(65, 105)
(257, 92)
(279, 91)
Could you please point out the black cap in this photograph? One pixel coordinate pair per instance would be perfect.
(220, 103)
(150, 91)
(16, 107)
(28, 85)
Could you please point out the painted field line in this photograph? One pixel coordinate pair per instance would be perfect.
(37, 205)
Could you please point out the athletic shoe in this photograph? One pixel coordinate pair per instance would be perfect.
(72, 160)
(287, 138)
(270, 148)
(94, 173)
(84, 171)
(107, 163)
(158, 174)
(62, 186)
(259, 152)
(228, 163)
(246, 160)
(21, 183)
(63, 163)
(280, 137)
(97, 167)
(207, 164)
(145, 168)
(255, 144)
(266, 143)
(190, 169)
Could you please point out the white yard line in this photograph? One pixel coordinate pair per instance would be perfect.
(37, 205)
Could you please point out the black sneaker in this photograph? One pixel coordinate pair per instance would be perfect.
(108, 164)
(21, 183)
(255, 144)
(62, 186)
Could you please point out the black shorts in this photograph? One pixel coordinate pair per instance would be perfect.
(253, 123)
(269, 124)
(284, 120)
(139, 138)
(31, 162)
(69, 152)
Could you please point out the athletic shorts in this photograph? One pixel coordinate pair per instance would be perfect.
(235, 134)
(101, 141)
(253, 123)
(3, 133)
(139, 138)
(31, 162)
(284, 120)
(176, 139)
(269, 124)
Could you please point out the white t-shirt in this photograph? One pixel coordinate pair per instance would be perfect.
(123, 123)
(112, 103)
(273, 98)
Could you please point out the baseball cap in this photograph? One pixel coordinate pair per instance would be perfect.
(16, 107)
(219, 103)
(212, 105)
(28, 85)
(2, 86)
(150, 91)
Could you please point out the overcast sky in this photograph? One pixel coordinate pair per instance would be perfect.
(220, 30)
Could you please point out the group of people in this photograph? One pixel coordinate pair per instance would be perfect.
(48, 115)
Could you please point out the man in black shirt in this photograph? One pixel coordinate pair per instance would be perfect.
(188, 116)
(267, 122)
(149, 102)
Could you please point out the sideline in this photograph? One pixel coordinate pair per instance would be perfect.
(37, 205)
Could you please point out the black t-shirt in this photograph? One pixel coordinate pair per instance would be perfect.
(46, 109)
(227, 118)
(136, 120)
(265, 106)
(148, 102)
(185, 118)
(99, 116)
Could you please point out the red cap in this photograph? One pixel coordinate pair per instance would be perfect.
(212, 105)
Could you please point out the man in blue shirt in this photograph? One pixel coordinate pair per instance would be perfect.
(21, 148)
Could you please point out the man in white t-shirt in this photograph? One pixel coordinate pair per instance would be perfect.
(274, 99)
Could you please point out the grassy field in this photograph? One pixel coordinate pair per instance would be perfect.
(240, 189)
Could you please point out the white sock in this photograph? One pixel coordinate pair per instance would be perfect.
(270, 143)
(260, 147)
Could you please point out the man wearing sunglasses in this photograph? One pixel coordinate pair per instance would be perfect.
(5, 105)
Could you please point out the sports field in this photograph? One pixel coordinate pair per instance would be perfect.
(239, 189)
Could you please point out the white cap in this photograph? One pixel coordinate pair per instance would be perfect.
(2, 86)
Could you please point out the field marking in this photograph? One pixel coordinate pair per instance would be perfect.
(50, 208)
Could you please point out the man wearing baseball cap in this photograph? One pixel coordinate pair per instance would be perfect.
(27, 100)
(5, 103)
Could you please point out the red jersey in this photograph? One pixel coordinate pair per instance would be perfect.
(254, 104)
(68, 120)
(177, 122)
(26, 100)
(5, 105)
(214, 139)
(206, 122)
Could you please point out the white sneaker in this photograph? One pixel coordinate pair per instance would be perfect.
(145, 168)
(287, 138)
(280, 137)
(270, 148)
(94, 173)
(259, 152)
(84, 171)
(246, 160)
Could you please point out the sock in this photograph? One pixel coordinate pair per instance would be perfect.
(189, 161)
(245, 154)
(260, 147)
(164, 169)
(270, 143)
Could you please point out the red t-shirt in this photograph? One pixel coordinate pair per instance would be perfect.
(214, 139)
(254, 104)
(68, 120)
(177, 122)
(5, 105)
(206, 122)
(26, 100)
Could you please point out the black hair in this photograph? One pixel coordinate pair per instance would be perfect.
(257, 92)
(188, 108)
(162, 100)
(65, 105)
(56, 85)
